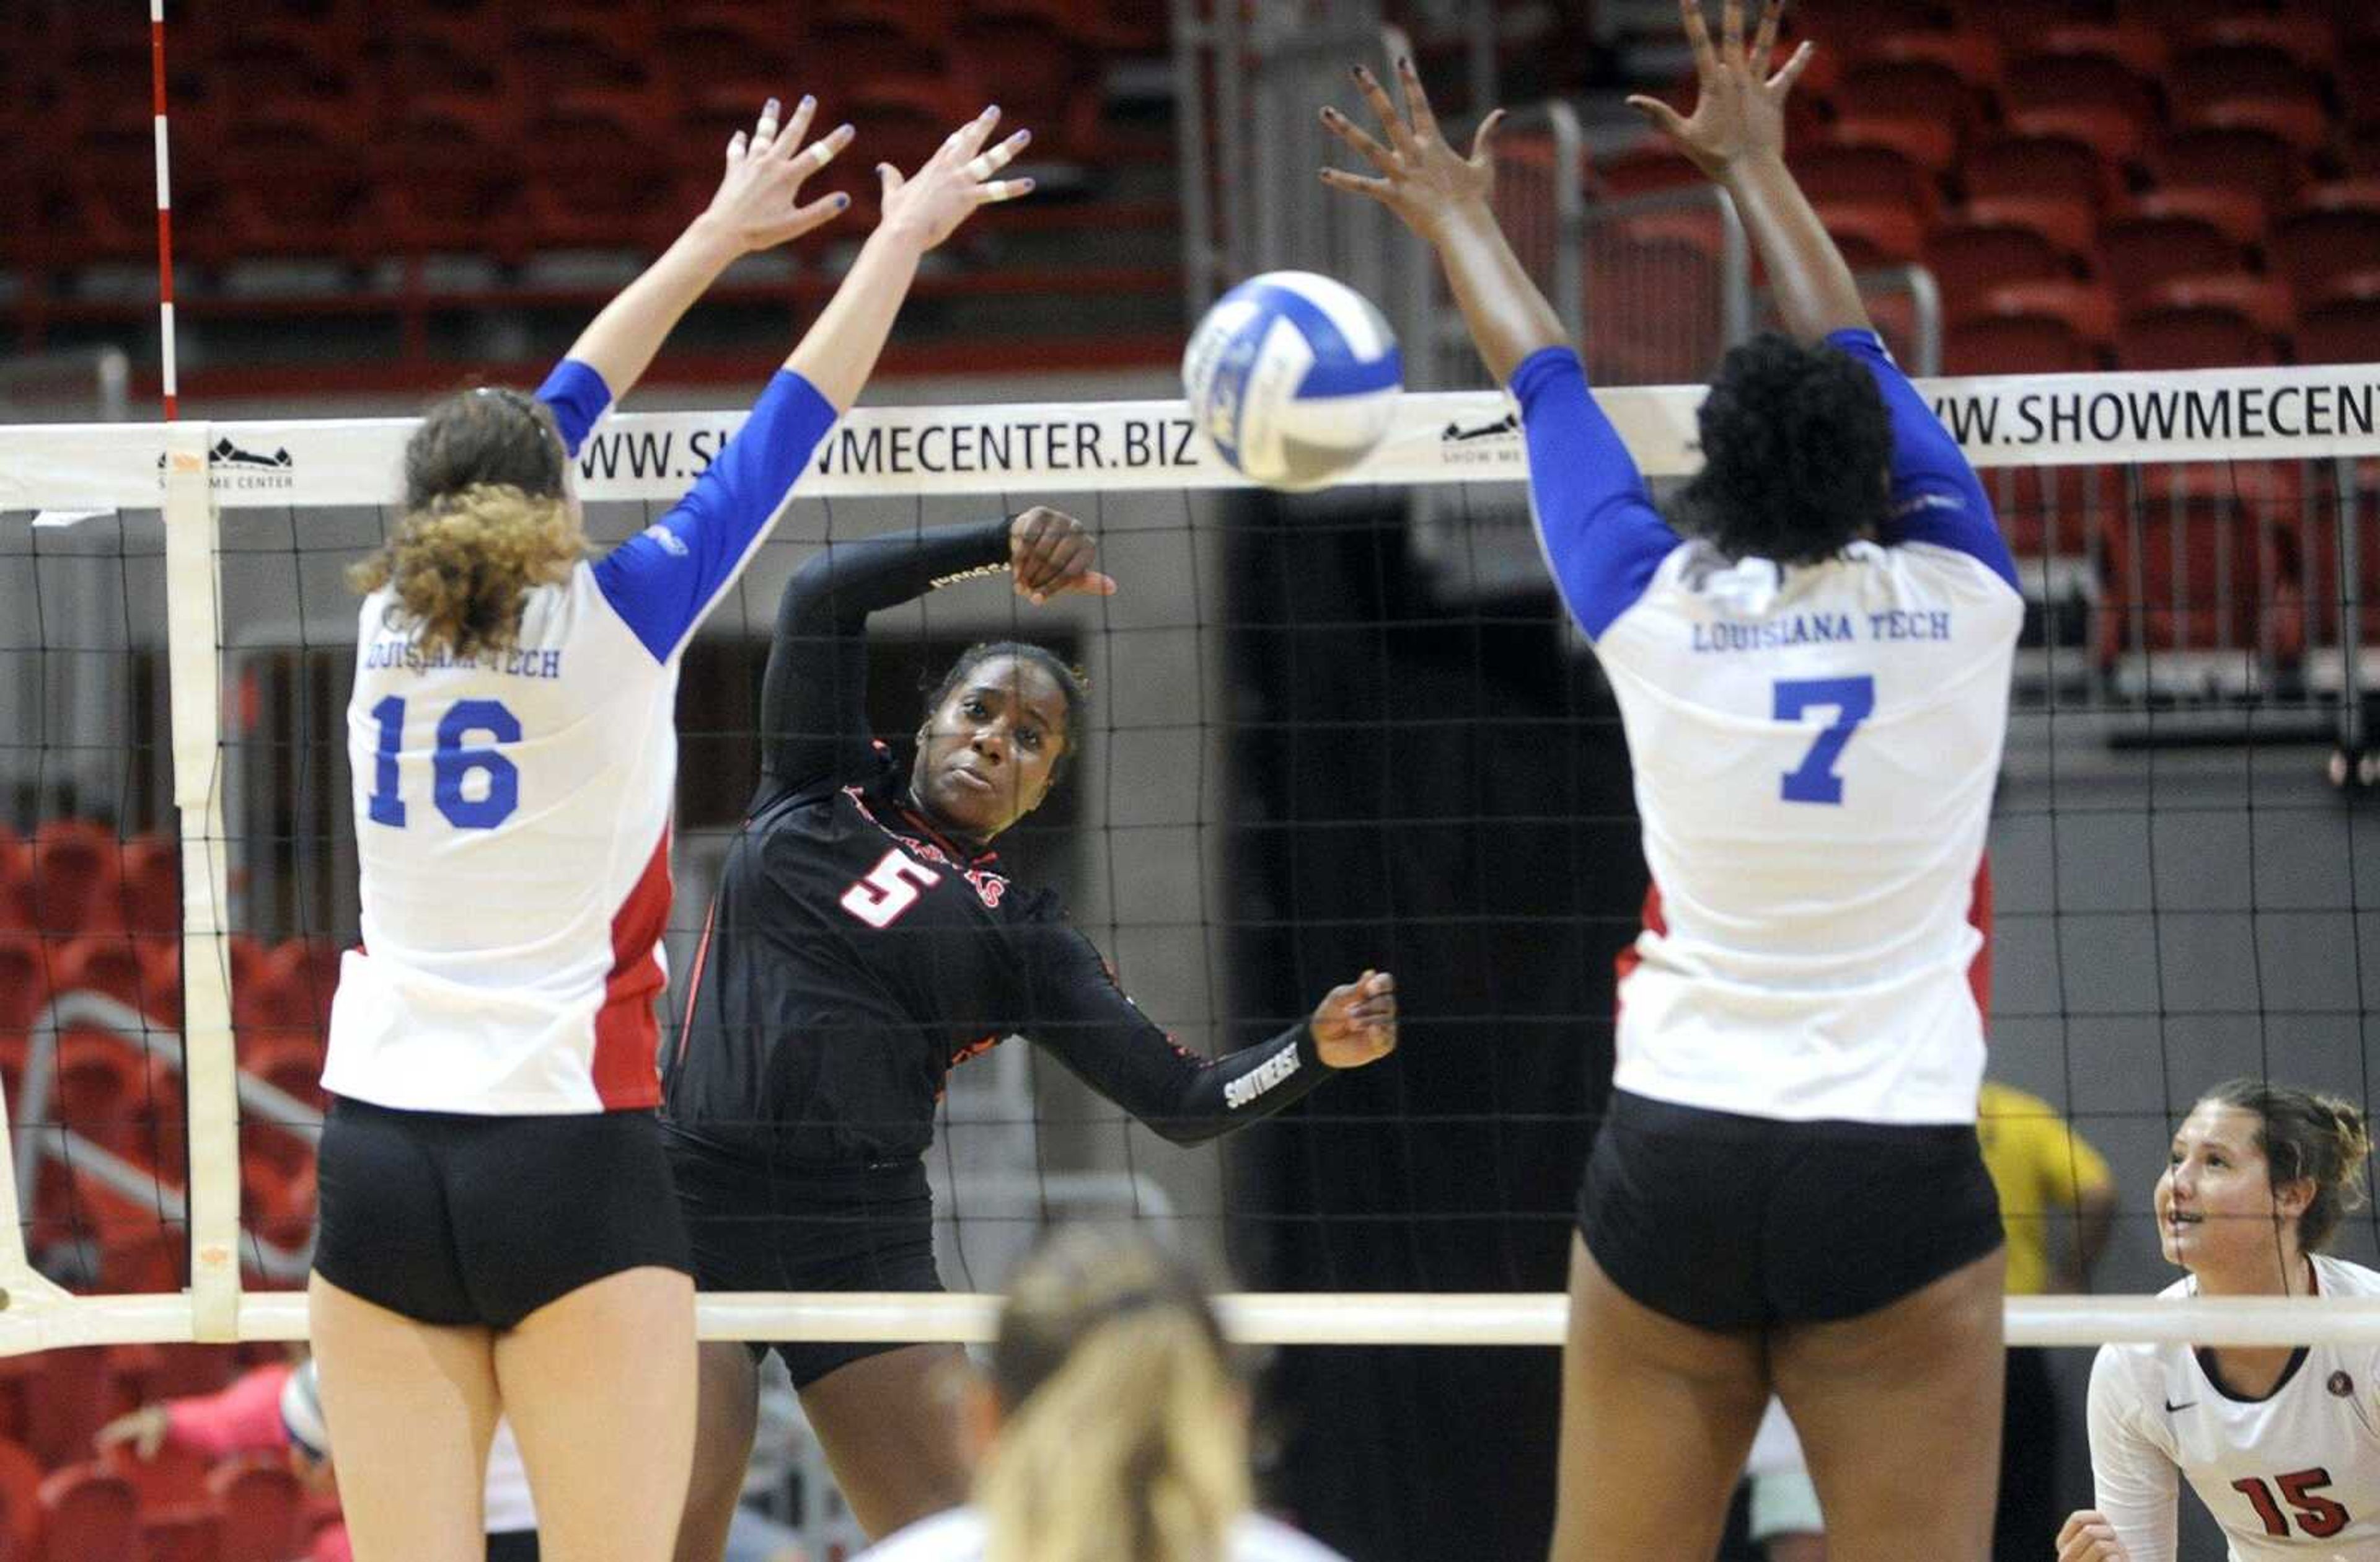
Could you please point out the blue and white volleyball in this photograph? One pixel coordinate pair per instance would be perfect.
(1293, 376)
(301, 1414)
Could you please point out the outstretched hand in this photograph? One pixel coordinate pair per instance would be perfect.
(754, 206)
(945, 192)
(1049, 554)
(1739, 108)
(1356, 1023)
(1426, 182)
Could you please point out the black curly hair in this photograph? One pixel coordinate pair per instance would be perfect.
(1072, 680)
(1795, 444)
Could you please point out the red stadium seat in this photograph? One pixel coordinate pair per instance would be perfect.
(1971, 254)
(176, 1478)
(2195, 574)
(1925, 140)
(261, 1508)
(74, 871)
(108, 964)
(2141, 47)
(2032, 327)
(308, 968)
(2345, 327)
(2240, 215)
(20, 1504)
(2309, 42)
(590, 186)
(1873, 233)
(2359, 82)
(1849, 19)
(2057, 167)
(447, 179)
(727, 59)
(151, 867)
(1045, 79)
(443, 53)
(2205, 323)
(2069, 226)
(1977, 56)
(1866, 171)
(2114, 136)
(69, 1404)
(2083, 77)
(1934, 89)
(2138, 252)
(2210, 70)
(2336, 232)
(557, 54)
(1643, 169)
(2224, 149)
(89, 1513)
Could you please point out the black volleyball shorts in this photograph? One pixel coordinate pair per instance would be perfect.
(758, 1227)
(453, 1218)
(1729, 1223)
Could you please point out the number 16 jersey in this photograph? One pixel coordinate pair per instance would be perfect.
(1815, 749)
(512, 809)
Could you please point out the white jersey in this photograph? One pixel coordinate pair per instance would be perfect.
(1815, 751)
(512, 811)
(960, 1536)
(2291, 1477)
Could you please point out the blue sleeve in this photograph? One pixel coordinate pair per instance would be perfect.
(1601, 535)
(577, 396)
(663, 579)
(1936, 495)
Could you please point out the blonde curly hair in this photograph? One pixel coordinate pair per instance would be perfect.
(487, 520)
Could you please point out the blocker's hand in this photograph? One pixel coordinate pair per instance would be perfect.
(1356, 1023)
(755, 205)
(1426, 182)
(1049, 554)
(1740, 109)
(932, 204)
(2086, 1536)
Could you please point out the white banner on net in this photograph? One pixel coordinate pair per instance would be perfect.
(1439, 437)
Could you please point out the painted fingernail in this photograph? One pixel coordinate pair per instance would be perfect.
(992, 111)
(841, 202)
(1022, 138)
(768, 109)
(808, 103)
(1023, 187)
(845, 132)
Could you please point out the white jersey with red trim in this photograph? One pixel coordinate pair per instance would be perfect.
(1815, 750)
(2290, 1477)
(512, 811)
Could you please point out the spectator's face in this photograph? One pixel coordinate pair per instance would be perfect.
(2216, 1208)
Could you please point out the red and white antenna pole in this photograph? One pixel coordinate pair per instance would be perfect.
(165, 211)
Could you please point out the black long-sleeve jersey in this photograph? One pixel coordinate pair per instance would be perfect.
(855, 952)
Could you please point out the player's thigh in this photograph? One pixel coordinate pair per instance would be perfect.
(411, 1408)
(1899, 1415)
(599, 1385)
(890, 1426)
(726, 1413)
(1656, 1418)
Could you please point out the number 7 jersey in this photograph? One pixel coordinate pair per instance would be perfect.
(1815, 750)
(512, 810)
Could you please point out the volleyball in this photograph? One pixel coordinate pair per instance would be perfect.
(1293, 376)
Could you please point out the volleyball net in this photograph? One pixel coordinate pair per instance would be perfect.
(1329, 731)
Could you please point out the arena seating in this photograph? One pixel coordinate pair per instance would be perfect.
(2207, 167)
(329, 155)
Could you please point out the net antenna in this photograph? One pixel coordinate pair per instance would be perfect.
(167, 381)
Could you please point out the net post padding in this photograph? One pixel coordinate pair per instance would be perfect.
(193, 644)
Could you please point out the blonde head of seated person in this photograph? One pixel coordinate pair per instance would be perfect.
(1113, 1424)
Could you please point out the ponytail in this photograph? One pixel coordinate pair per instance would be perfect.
(1127, 1429)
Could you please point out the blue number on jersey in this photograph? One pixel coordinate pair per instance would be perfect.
(450, 764)
(1853, 699)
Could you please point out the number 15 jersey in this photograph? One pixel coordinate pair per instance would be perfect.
(1815, 749)
(511, 811)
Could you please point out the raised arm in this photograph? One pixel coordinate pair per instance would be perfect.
(754, 208)
(1601, 534)
(839, 352)
(1736, 136)
(1444, 197)
(1081, 1015)
(663, 580)
(814, 695)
